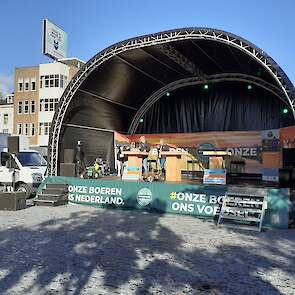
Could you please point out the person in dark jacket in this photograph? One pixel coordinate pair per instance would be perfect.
(162, 148)
(144, 146)
(79, 159)
(120, 160)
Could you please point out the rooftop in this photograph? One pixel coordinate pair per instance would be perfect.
(72, 61)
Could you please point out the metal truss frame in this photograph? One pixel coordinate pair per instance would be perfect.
(227, 77)
(162, 63)
(152, 40)
(181, 60)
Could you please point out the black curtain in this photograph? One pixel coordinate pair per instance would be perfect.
(95, 144)
(221, 107)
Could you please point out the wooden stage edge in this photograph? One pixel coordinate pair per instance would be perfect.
(198, 182)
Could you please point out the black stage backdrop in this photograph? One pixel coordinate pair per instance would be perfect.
(223, 107)
(95, 144)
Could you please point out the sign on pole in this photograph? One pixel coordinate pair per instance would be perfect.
(55, 40)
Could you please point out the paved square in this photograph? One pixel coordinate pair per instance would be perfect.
(85, 250)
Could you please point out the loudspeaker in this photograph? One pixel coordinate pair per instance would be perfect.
(293, 178)
(285, 177)
(68, 156)
(13, 144)
(67, 169)
(12, 201)
(289, 158)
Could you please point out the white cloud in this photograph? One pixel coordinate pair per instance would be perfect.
(6, 84)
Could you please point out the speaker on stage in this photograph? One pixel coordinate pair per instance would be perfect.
(13, 144)
(285, 177)
(293, 178)
(68, 156)
(67, 169)
(289, 158)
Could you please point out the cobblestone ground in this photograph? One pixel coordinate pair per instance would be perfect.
(84, 250)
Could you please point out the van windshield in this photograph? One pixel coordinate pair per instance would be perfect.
(31, 159)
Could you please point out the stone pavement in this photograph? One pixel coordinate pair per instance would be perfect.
(85, 250)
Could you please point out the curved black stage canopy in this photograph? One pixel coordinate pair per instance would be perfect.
(183, 80)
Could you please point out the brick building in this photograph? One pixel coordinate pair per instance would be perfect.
(37, 93)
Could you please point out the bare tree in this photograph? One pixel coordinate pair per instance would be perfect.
(2, 97)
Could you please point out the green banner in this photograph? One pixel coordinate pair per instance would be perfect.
(196, 200)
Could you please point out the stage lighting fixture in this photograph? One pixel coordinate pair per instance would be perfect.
(249, 87)
(285, 111)
(168, 94)
(141, 120)
(206, 87)
(259, 72)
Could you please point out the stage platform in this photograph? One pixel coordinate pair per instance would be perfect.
(241, 181)
(187, 197)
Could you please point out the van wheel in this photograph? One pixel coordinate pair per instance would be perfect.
(24, 188)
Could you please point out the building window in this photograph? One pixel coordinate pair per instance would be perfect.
(26, 107)
(44, 128)
(44, 81)
(20, 85)
(5, 119)
(9, 98)
(33, 84)
(62, 81)
(20, 107)
(33, 107)
(48, 104)
(27, 82)
(19, 129)
(56, 100)
(41, 81)
(56, 80)
(51, 105)
(32, 129)
(50, 81)
(26, 129)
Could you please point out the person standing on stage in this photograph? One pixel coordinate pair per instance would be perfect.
(162, 148)
(79, 159)
(120, 158)
(144, 146)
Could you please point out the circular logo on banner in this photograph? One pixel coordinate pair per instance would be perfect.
(144, 196)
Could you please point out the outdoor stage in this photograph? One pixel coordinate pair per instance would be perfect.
(196, 90)
(197, 200)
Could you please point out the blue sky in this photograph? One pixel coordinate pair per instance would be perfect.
(93, 25)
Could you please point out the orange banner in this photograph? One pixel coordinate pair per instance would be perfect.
(287, 137)
(244, 145)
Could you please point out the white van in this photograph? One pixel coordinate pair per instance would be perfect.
(27, 168)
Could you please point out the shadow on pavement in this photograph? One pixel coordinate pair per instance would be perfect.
(117, 249)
